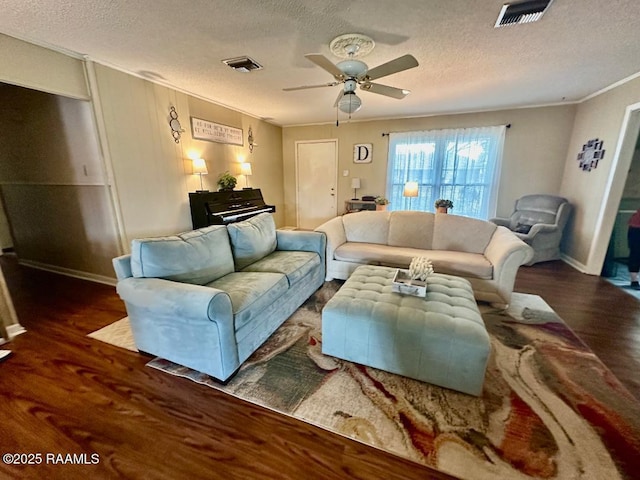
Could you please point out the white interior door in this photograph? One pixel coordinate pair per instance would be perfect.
(316, 174)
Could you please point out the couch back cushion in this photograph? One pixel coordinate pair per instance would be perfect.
(461, 234)
(366, 227)
(199, 257)
(411, 229)
(252, 239)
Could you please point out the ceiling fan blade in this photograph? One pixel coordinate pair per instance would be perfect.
(394, 66)
(394, 92)
(305, 87)
(323, 62)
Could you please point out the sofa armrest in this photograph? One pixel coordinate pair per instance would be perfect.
(507, 253)
(300, 240)
(334, 230)
(185, 302)
(122, 266)
(503, 222)
(539, 228)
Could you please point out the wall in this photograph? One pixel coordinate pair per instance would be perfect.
(600, 117)
(152, 174)
(533, 161)
(28, 65)
(52, 182)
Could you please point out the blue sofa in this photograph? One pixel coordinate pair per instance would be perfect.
(207, 299)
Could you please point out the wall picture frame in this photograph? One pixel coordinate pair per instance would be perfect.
(362, 153)
(215, 132)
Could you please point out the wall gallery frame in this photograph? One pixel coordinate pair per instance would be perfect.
(215, 132)
(362, 153)
(591, 153)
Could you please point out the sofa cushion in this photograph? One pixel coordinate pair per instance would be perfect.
(373, 254)
(461, 234)
(252, 239)
(462, 264)
(368, 227)
(294, 264)
(449, 262)
(196, 257)
(251, 293)
(411, 229)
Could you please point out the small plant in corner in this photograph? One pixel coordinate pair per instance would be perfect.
(381, 200)
(443, 203)
(226, 181)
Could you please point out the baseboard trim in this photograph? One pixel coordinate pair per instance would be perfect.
(92, 277)
(15, 330)
(575, 264)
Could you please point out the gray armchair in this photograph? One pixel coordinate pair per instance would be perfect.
(539, 220)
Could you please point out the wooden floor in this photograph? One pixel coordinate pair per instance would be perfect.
(63, 393)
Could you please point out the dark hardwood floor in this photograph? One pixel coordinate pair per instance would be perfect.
(62, 392)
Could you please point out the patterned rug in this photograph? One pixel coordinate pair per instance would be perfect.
(550, 409)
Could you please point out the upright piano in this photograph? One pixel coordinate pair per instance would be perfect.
(222, 208)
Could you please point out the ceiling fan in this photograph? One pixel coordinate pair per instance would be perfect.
(353, 73)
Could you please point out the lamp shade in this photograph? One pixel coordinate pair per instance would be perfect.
(410, 189)
(199, 166)
(245, 168)
(355, 183)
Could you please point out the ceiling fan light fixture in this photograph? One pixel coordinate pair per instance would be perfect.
(349, 103)
(353, 68)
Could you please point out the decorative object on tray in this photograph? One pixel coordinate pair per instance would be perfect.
(226, 181)
(414, 280)
(381, 202)
(442, 205)
(420, 268)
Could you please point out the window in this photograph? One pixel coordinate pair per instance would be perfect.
(462, 165)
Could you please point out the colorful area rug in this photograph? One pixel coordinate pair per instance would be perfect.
(550, 409)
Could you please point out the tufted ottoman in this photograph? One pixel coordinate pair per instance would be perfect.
(440, 339)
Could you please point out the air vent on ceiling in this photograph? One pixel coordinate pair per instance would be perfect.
(242, 64)
(521, 12)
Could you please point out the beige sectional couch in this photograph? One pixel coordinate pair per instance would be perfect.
(485, 254)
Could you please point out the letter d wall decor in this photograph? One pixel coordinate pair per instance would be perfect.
(362, 153)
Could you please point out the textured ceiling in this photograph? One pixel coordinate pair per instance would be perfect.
(576, 49)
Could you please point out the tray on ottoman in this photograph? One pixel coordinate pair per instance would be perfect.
(440, 339)
(402, 283)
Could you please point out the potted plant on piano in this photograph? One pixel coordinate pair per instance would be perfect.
(226, 182)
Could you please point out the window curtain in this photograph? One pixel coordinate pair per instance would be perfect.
(461, 165)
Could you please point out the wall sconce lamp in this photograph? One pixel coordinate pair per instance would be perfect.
(355, 184)
(245, 169)
(410, 190)
(250, 141)
(200, 168)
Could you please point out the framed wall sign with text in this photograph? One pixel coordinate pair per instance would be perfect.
(215, 132)
(362, 153)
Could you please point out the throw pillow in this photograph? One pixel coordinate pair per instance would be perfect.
(198, 257)
(252, 239)
(522, 228)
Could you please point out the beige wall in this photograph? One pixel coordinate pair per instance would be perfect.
(534, 151)
(52, 182)
(600, 117)
(28, 65)
(153, 174)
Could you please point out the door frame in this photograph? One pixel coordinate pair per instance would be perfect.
(324, 140)
(614, 188)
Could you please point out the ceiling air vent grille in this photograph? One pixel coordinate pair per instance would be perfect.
(521, 12)
(242, 64)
